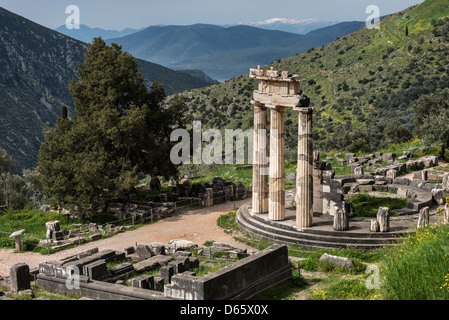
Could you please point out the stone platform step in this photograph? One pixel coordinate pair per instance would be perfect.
(311, 238)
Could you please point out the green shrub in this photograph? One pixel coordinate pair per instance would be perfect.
(309, 264)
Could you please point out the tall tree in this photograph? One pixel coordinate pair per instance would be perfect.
(432, 119)
(6, 165)
(119, 132)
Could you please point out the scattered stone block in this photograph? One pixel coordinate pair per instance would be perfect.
(143, 282)
(392, 174)
(97, 270)
(183, 254)
(152, 263)
(341, 262)
(403, 181)
(439, 196)
(122, 271)
(178, 266)
(423, 220)
(341, 219)
(157, 248)
(383, 219)
(93, 228)
(167, 273)
(445, 182)
(365, 181)
(358, 170)
(45, 208)
(194, 263)
(374, 226)
(368, 188)
(158, 284)
(51, 227)
(95, 237)
(143, 251)
(129, 250)
(349, 156)
(19, 277)
(391, 156)
(236, 253)
(183, 245)
(402, 192)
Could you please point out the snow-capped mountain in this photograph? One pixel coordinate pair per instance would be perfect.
(302, 26)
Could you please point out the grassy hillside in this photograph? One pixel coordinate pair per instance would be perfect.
(362, 85)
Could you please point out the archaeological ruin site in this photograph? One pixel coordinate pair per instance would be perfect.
(314, 214)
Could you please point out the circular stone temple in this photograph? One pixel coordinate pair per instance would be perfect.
(278, 91)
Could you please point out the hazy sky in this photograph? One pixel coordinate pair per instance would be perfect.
(118, 14)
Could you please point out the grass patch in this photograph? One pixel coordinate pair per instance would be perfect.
(203, 270)
(286, 290)
(367, 206)
(228, 222)
(34, 221)
(337, 288)
(419, 268)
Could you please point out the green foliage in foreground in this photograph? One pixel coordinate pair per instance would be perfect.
(419, 269)
(345, 289)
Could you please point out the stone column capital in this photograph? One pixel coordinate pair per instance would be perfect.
(275, 107)
(257, 104)
(304, 110)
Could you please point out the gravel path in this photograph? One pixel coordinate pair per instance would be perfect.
(197, 226)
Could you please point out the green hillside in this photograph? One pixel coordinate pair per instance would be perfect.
(362, 85)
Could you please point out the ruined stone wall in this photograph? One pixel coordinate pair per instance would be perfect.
(240, 280)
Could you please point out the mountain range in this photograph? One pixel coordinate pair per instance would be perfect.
(86, 33)
(221, 52)
(36, 65)
(362, 85)
(299, 26)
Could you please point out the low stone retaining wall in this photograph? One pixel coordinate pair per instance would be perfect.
(98, 290)
(241, 280)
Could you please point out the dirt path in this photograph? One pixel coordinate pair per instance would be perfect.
(197, 226)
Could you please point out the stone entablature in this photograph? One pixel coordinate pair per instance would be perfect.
(276, 88)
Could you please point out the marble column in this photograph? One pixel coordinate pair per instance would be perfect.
(304, 175)
(260, 160)
(276, 201)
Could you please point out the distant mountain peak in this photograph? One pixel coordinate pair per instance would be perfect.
(284, 21)
(298, 26)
